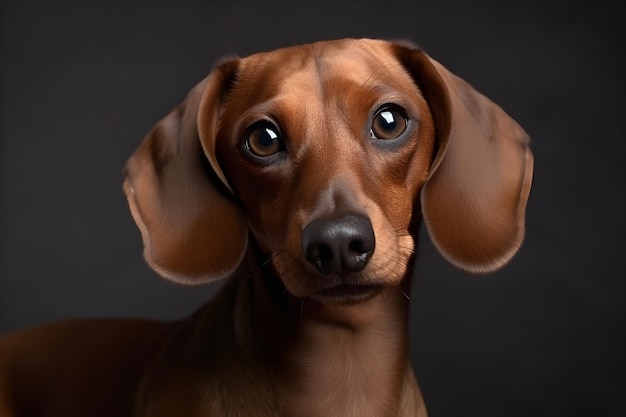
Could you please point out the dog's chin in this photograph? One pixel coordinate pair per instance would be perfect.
(346, 293)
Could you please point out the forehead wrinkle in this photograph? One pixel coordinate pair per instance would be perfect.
(285, 94)
(300, 103)
(259, 78)
(353, 86)
(383, 80)
(334, 72)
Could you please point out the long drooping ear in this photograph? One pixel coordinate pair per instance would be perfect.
(474, 200)
(193, 231)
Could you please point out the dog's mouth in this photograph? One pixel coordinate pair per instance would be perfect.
(347, 293)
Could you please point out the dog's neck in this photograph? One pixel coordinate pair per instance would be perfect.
(333, 360)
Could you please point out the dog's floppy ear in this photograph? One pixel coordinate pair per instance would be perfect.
(193, 231)
(474, 200)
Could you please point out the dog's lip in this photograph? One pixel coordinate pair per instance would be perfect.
(347, 293)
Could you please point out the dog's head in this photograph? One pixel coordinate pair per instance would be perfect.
(328, 155)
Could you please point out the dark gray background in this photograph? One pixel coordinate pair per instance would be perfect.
(83, 82)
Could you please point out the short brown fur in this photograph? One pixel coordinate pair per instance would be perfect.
(288, 335)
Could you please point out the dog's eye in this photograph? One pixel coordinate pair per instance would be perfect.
(264, 140)
(388, 123)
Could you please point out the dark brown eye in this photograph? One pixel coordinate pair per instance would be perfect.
(264, 140)
(388, 123)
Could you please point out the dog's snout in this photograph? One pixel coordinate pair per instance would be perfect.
(339, 245)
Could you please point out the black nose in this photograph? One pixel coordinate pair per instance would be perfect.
(339, 245)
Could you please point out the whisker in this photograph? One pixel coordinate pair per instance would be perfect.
(263, 264)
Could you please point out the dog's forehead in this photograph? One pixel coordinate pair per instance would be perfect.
(325, 89)
(297, 84)
(324, 52)
(319, 65)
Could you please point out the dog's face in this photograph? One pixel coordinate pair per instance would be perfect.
(335, 129)
(329, 154)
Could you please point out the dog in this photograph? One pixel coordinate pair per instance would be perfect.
(302, 175)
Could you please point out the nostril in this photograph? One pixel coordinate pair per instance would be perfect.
(361, 246)
(319, 255)
(325, 252)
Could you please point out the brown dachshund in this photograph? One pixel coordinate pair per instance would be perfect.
(302, 175)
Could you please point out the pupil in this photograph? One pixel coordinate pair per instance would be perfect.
(267, 137)
(389, 122)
